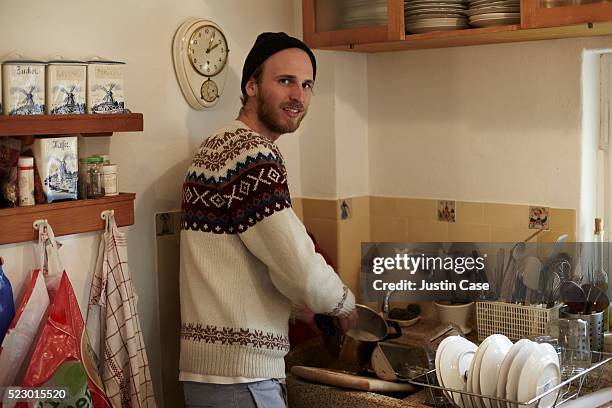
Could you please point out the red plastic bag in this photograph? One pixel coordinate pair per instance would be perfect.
(62, 357)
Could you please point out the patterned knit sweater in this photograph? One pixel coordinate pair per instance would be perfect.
(245, 258)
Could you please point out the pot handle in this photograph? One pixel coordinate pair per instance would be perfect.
(398, 330)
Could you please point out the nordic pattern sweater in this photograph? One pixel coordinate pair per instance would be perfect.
(245, 259)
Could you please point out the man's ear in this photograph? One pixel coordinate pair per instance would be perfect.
(251, 87)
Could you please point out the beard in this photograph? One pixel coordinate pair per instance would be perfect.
(273, 120)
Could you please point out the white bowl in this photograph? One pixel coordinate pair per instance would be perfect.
(491, 363)
(459, 314)
(539, 374)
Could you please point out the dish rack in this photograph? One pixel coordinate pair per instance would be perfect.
(570, 388)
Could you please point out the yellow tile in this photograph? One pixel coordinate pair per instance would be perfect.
(469, 213)
(350, 236)
(426, 231)
(504, 234)
(319, 208)
(387, 229)
(384, 206)
(417, 208)
(298, 207)
(563, 219)
(552, 235)
(506, 215)
(469, 233)
(325, 233)
(361, 206)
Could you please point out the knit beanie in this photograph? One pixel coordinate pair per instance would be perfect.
(266, 45)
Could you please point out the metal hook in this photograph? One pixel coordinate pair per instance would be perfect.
(106, 214)
(38, 224)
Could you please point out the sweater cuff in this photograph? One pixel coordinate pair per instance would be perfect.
(345, 305)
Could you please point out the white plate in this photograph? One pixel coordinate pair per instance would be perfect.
(455, 361)
(435, 5)
(426, 16)
(491, 363)
(488, 10)
(439, 351)
(429, 22)
(490, 22)
(505, 367)
(474, 374)
(539, 374)
(500, 3)
(516, 367)
(429, 29)
(488, 16)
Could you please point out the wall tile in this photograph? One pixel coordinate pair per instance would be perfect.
(426, 231)
(322, 209)
(351, 233)
(360, 206)
(469, 213)
(417, 208)
(325, 232)
(384, 206)
(508, 234)
(506, 215)
(387, 229)
(563, 219)
(298, 207)
(469, 233)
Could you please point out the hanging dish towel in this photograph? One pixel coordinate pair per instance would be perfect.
(113, 314)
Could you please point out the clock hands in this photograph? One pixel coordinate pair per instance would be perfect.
(212, 37)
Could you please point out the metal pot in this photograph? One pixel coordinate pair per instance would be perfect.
(356, 345)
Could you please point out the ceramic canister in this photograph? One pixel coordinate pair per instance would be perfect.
(23, 87)
(65, 92)
(105, 87)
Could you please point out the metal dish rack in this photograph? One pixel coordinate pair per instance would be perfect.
(571, 387)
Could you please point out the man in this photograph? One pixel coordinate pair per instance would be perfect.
(245, 256)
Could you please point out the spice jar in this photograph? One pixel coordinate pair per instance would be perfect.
(25, 171)
(109, 180)
(94, 175)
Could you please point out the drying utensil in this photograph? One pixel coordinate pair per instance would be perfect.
(573, 296)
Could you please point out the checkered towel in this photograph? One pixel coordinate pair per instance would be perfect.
(124, 367)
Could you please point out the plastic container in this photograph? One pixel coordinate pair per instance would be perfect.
(109, 180)
(25, 172)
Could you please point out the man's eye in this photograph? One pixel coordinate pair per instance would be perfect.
(284, 81)
(307, 86)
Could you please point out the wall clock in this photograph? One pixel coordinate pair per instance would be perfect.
(200, 56)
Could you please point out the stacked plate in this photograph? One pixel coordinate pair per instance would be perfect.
(487, 13)
(423, 16)
(497, 368)
(362, 13)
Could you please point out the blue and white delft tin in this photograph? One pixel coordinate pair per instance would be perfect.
(23, 87)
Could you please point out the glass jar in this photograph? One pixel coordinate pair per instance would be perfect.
(94, 177)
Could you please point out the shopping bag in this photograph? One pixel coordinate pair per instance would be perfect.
(113, 313)
(62, 356)
(7, 306)
(24, 328)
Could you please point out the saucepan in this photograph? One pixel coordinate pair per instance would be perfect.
(356, 345)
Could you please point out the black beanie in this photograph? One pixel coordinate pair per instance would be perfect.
(265, 46)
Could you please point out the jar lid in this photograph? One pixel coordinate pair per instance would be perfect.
(94, 160)
(105, 158)
(25, 161)
(109, 168)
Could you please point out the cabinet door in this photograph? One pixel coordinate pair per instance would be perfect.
(337, 23)
(553, 13)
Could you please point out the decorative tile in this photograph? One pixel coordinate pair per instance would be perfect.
(538, 217)
(446, 210)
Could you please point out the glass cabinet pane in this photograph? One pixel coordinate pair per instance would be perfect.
(334, 15)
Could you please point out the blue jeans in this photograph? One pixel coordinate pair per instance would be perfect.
(260, 394)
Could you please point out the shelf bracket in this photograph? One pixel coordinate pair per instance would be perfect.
(106, 214)
(38, 224)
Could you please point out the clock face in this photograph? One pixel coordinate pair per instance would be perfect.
(208, 50)
(209, 90)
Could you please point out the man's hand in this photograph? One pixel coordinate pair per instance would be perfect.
(349, 321)
(304, 314)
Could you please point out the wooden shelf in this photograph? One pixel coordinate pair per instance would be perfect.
(478, 36)
(87, 125)
(66, 217)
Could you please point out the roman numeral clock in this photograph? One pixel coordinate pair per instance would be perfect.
(200, 56)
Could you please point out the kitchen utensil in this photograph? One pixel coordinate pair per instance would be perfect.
(592, 293)
(517, 252)
(501, 256)
(531, 276)
(356, 345)
(601, 303)
(349, 380)
(551, 292)
(573, 296)
(382, 367)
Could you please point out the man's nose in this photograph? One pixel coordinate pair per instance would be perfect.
(298, 93)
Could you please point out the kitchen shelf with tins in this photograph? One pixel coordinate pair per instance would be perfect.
(396, 25)
(71, 216)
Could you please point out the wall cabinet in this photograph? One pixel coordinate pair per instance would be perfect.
(324, 26)
(67, 217)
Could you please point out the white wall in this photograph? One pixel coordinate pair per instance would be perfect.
(151, 163)
(494, 123)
